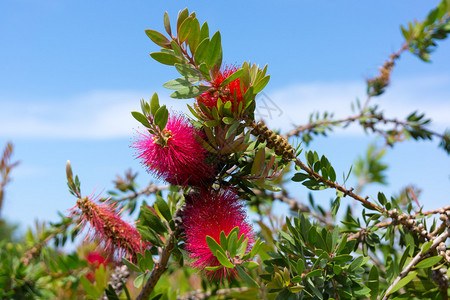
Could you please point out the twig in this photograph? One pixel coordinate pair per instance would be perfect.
(416, 260)
(160, 267)
(338, 187)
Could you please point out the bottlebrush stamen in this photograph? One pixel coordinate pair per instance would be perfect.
(118, 237)
(209, 213)
(178, 159)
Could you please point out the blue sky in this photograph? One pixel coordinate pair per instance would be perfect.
(71, 72)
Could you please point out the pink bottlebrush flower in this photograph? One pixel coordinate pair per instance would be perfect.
(231, 92)
(209, 213)
(177, 156)
(115, 235)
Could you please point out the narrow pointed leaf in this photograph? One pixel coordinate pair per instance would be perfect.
(189, 92)
(224, 260)
(165, 58)
(158, 38)
(167, 23)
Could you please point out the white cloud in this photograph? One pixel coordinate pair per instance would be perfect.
(96, 115)
(106, 114)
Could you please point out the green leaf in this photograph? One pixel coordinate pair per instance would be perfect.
(130, 265)
(258, 162)
(205, 71)
(232, 244)
(167, 23)
(426, 246)
(153, 221)
(228, 120)
(163, 208)
(300, 266)
(100, 279)
(296, 288)
(149, 235)
(148, 259)
(139, 281)
(176, 49)
(221, 257)
(194, 36)
(254, 250)
(232, 77)
(201, 51)
(299, 177)
(185, 29)
(314, 273)
(373, 283)
(180, 83)
(140, 118)
(190, 92)
(261, 84)
(182, 15)
(223, 241)
(382, 198)
(214, 268)
(428, 262)
(215, 47)
(250, 281)
(89, 288)
(154, 104)
(161, 117)
(404, 281)
(187, 70)
(335, 206)
(232, 129)
(158, 38)
(212, 123)
(165, 58)
(404, 257)
(213, 245)
(250, 265)
(204, 31)
(242, 248)
(342, 258)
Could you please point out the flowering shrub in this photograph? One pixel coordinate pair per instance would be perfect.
(195, 241)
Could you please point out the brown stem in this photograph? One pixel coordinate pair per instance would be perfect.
(160, 267)
(338, 187)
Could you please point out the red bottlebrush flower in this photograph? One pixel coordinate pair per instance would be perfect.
(96, 259)
(210, 213)
(231, 92)
(115, 235)
(177, 156)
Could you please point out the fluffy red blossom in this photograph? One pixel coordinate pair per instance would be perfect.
(210, 213)
(231, 92)
(117, 237)
(96, 259)
(179, 158)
